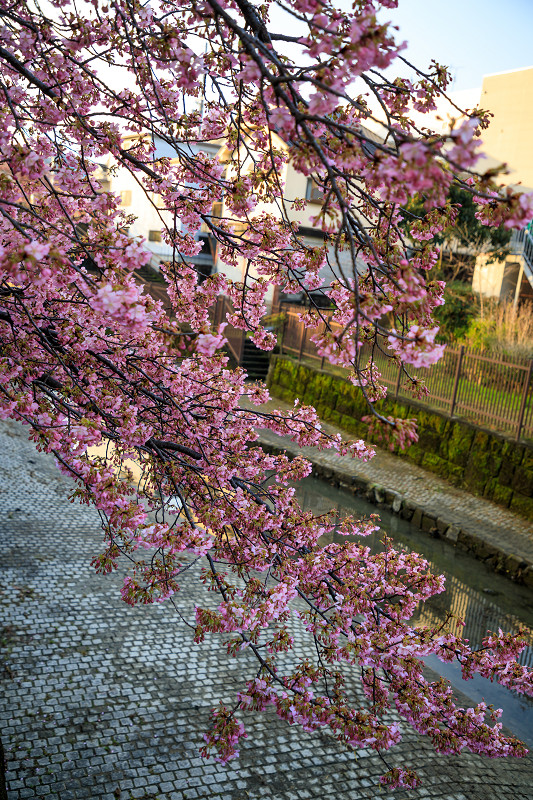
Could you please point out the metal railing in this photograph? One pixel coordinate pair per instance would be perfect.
(522, 244)
(494, 391)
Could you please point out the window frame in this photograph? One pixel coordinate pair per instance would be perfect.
(314, 192)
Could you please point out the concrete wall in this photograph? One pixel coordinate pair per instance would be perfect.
(509, 137)
(482, 462)
(488, 277)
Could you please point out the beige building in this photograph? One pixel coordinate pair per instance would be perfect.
(509, 140)
(296, 186)
(149, 215)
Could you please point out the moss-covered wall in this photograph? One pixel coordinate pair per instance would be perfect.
(484, 463)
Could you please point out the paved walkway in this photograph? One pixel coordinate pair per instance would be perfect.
(107, 702)
(489, 531)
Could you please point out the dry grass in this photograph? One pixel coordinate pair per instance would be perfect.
(503, 328)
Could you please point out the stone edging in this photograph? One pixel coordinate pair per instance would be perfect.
(499, 560)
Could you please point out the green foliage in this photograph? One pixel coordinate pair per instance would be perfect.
(470, 232)
(466, 231)
(480, 334)
(274, 321)
(461, 307)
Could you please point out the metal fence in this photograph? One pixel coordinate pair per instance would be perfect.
(494, 391)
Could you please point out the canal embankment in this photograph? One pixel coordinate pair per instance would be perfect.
(498, 536)
(484, 462)
(483, 600)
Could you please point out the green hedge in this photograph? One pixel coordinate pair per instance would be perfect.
(485, 463)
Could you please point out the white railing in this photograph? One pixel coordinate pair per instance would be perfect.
(522, 245)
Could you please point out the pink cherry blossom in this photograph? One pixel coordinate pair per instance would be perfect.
(143, 408)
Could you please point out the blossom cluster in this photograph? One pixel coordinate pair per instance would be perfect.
(141, 406)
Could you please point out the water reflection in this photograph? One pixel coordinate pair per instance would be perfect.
(483, 600)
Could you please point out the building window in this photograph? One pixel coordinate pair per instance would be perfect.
(158, 200)
(102, 177)
(314, 193)
(125, 198)
(154, 236)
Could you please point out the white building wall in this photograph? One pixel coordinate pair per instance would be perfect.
(146, 207)
(148, 216)
(488, 277)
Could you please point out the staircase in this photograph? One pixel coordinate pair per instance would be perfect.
(255, 361)
(241, 350)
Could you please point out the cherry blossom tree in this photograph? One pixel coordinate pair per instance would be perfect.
(89, 360)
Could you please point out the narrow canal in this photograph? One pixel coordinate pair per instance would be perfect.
(482, 599)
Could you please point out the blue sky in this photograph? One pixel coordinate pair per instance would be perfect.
(472, 37)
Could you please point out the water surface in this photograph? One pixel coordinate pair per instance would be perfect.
(483, 600)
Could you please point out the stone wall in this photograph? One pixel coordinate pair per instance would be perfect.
(483, 462)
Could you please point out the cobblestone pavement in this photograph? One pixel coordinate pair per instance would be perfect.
(108, 702)
(496, 525)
